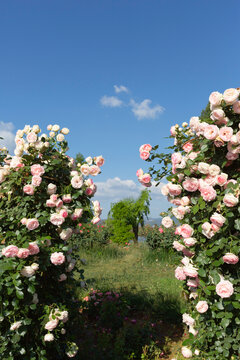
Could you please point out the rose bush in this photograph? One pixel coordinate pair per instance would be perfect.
(43, 195)
(204, 169)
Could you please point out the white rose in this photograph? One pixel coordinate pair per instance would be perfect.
(89, 160)
(65, 131)
(203, 168)
(51, 189)
(35, 266)
(214, 170)
(27, 129)
(27, 271)
(52, 134)
(48, 337)
(55, 128)
(66, 234)
(60, 137)
(77, 182)
(36, 129)
(167, 222)
(186, 352)
(16, 325)
(49, 127)
(189, 241)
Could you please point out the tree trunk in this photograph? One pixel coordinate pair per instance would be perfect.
(135, 231)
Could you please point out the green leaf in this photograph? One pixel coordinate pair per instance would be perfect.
(225, 322)
(237, 224)
(20, 294)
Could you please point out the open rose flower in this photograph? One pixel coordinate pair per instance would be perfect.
(167, 222)
(202, 307)
(32, 224)
(230, 200)
(144, 155)
(23, 253)
(10, 251)
(37, 169)
(230, 258)
(57, 258)
(224, 289)
(28, 189)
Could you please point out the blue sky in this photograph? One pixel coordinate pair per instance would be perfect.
(61, 59)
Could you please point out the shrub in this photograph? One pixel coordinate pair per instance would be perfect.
(43, 195)
(161, 240)
(204, 184)
(91, 235)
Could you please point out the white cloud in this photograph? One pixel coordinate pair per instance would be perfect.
(120, 88)
(111, 101)
(116, 189)
(6, 132)
(143, 110)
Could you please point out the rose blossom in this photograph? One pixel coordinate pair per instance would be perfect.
(214, 170)
(224, 289)
(23, 221)
(190, 184)
(185, 201)
(230, 258)
(145, 147)
(23, 253)
(77, 182)
(222, 179)
(95, 220)
(194, 283)
(146, 178)
(60, 137)
(236, 107)
(27, 271)
(190, 241)
(139, 172)
(187, 147)
(186, 231)
(203, 168)
(164, 190)
(217, 114)
(50, 203)
(31, 137)
(188, 320)
(50, 325)
(226, 133)
(67, 198)
(179, 273)
(215, 98)
(99, 160)
(230, 96)
(186, 352)
(51, 189)
(48, 337)
(32, 224)
(207, 230)
(202, 307)
(230, 200)
(35, 266)
(192, 330)
(174, 190)
(57, 258)
(218, 219)
(167, 222)
(190, 271)
(28, 189)
(57, 219)
(63, 213)
(33, 248)
(232, 156)
(194, 123)
(15, 325)
(211, 132)
(176, 158)
(10, 251)
(37, 169)
(144, 155)
(59, 203)
(36, 180)
(208, 193)
(177, 246)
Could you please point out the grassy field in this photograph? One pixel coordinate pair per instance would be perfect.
(146, 279)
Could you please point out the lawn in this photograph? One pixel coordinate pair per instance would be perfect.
(145, 279)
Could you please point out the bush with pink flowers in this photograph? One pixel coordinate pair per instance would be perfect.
(43, 196)
(204, 185)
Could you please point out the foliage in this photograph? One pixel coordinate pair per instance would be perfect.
(161, 240)
(43, 195)
(204, 184)
(126, 216)
(91, 235)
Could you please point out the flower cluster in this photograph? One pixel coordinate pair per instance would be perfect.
(204, 185)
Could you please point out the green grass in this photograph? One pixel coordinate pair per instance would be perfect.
(146, 277)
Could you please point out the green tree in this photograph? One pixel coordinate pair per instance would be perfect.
(126, 216)
(79, 158)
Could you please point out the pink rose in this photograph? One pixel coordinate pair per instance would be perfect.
(96, 219)
(226, 133)
(94, 170)
(85, 169)
(224, 289)
(202, 307)
(37, 169)
(230, 200)
(50, 325)
(144, 155)
(215, 98)
(236, 107)
(31, 137)
(218, 219)
(186, 231)
(188, 320)
(167, 222)
(232, 156)
(194, 123)
(28, 189)
(189, 241)
(230, 258)
(77, 182)
(230, 96)
(190, 271)
(222, 179)
(190, 184)
(32, 224)
(50, 203)
(59, 203)
(63, 213)
(194, 283)
(188, 147)
(99, 160)
(139, 172)
(51, 189)
(67, 198)
(217, 114)
(185, 201)
(145, 147)
(177, 246)
(174, 190)
(57, 258)
(176, 158)
(36, 180)
(33, 248)
(179, 273)
(10, 251)
(207, 230)
(211, 132)
(208, 193)
(23, 253)
(24, 221)
(146, 178)
(57, 219)
(161, 230)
